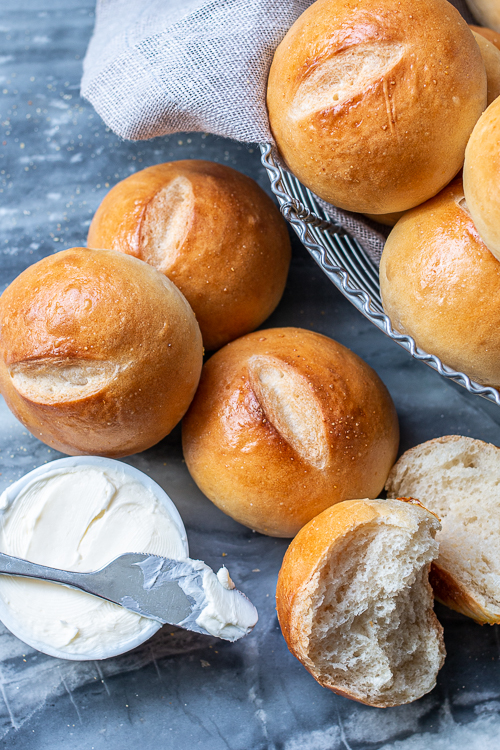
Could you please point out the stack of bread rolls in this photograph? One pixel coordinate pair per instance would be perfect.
(376, 107)
(100, 352)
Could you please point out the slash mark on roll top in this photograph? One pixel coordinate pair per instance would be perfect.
(348, 73)
(388, 107)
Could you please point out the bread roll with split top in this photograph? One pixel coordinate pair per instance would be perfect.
(211, 230)
(372, 103)
(99, 353)
(441, 285)
(285, 423)
(355, 605)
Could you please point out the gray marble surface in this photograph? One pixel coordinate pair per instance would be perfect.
(179, 690)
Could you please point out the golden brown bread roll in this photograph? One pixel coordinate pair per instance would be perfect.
(482, 177)
(441, 285)
(489, 34)
(99, 353)
(354, 601)
(371, 103)
(211, 230)
(285, 423)
(491, 59)
(487, 12)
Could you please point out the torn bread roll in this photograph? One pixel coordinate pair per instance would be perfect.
(213, 231)
(372, 103)
(482, 177)
(99, 353)
(491, 58)
(355, 605)
(487, 12)
(285, 423)
(458, 478)
(440, 284)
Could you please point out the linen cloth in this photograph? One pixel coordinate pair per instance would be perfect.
(155, 67)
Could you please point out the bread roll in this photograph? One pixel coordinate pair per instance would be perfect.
(441, 285)
(458, 478)
(99, 353)
(211, 230)
(372, 103)
(491, 58)
(487, 12)
(482, 177)
(355, 605)
(286, 423)
(489, 34)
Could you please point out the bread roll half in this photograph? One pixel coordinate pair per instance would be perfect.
(354, 601)
(286, 422)
(458, 478)
(99, 353)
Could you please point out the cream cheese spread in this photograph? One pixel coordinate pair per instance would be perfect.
(79, 518)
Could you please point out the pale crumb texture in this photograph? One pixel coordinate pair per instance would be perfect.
(166, 223)
(290, 406)
(345, 75)
(373, 632)
(458, 478)
(52, 380)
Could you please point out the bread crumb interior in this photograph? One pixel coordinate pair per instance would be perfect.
(166, 223)
(290, 406)
(459, 480)
(371, 633)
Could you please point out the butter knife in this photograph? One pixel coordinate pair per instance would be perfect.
(186, 593)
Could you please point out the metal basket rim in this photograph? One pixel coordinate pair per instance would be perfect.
(301, 218)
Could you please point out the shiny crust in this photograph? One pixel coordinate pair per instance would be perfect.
(448, 589)
(100, 306)
(306, 554)
(233, 262)
(482, 177)
(402, 136)
(244, 465)
(441, 285)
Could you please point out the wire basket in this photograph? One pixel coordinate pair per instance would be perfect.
(348, 266)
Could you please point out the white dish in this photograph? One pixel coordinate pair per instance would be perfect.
(9, 496)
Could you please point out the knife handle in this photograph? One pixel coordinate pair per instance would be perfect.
(14, 566)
